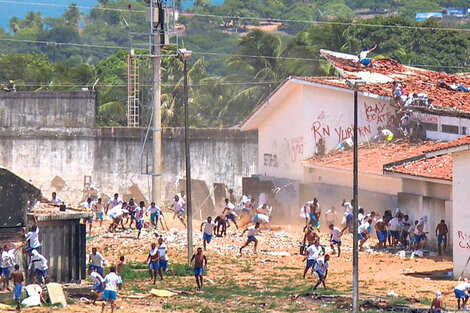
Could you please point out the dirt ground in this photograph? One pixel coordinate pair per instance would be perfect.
(270, 281)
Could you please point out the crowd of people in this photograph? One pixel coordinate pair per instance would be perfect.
(394, 231)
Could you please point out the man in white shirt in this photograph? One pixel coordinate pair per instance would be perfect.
(180, 208)
(139, 217)
(363, 233)
(163, 263)
(96, 261)
(251, 232)
(348, 214)
(395, 226)
(313, 252)
(111, 283)
(231, 215)
(113, 202)
(155, 213)
(419, 234)
(40, 266)
(56, 200)
(89, 206)
(97, 287)
(363, 59)
(7, 262)
(209, 226)
(321, 268)
(461, 293)
(335, 238)
(33, 237)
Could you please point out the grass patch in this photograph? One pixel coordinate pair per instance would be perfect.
(287, 268)
(133, 270)
(398, 301)
(182, 270)
(425, 301)
(247, 268)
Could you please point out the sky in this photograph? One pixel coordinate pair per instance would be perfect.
(51, 8)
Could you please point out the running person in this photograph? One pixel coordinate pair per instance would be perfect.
(111, 283)
(381, 232)
(310, 238)
(209, 227)
(363, 233)
(348, 214)
(252, 231)
(335, 238)
(230, 216)
(180, 208)
(97, 287)
(155, 213)
(321, 268)
(153, 259)
(200, 261)
(139, 217)
(88, 205)
(96, 261)
(163, 262)
(312, 253)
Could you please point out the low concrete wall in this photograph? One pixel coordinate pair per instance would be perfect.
(54, 145)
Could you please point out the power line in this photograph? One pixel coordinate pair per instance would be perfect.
(66, 6)
(267, 19)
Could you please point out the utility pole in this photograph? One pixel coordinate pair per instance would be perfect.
(157, 30)
(186, 54)
(355, 306)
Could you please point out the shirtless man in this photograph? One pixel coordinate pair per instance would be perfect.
(381, 232)
(309, 238)
(221, 228)
(200, 261)
(441, 233)
(18, 280)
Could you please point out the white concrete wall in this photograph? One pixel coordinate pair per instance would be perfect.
(461, 213)
(329, 114)
(281, 141)
(310, 112)
(342, 177)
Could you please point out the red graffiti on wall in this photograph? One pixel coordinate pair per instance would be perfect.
(464, 240)
(342, 133)
(377, 112)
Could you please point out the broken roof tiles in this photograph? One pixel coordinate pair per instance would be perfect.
(451, 144)
(383, 72)
(438, 167)
(373, 157)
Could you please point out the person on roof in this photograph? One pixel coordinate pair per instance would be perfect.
(363, 59)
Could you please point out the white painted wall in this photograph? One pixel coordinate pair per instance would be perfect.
(309, 112)
(280, 139)
(461, 213)
(329, 113)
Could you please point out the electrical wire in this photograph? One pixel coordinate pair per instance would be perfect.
(259, 19)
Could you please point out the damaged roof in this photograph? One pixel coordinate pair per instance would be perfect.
(380, 76)
(373, 157)
(437, 167)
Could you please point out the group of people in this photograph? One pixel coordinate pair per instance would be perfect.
(10, 270)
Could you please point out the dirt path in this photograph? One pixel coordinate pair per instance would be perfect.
(268, 281)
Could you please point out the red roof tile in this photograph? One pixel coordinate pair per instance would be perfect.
(413, 80)
(439, 167)
(451, 144)
(373, 157)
